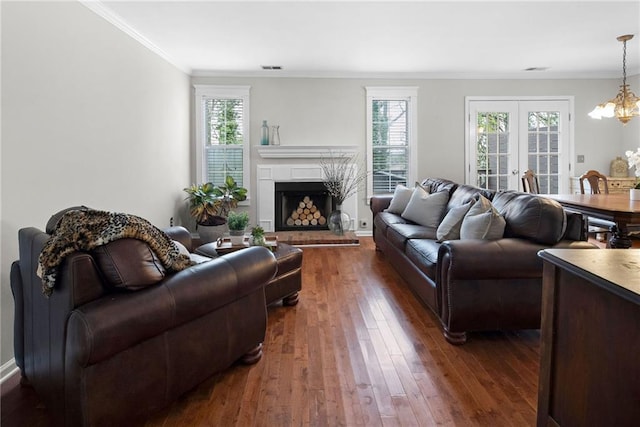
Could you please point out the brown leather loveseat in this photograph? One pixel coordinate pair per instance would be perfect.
(478, 284)
(100, 354)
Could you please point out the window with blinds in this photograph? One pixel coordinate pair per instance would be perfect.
(224, 143)
(222, 134)
(390, 138)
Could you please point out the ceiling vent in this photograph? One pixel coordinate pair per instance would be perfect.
(536, 69)
(271, 67)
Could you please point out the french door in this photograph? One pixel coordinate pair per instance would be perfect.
(507, 137)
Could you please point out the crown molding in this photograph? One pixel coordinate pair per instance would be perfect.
(101, 10)
(518, 75)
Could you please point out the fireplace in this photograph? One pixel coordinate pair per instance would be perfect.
(302, 206)
(303, 167)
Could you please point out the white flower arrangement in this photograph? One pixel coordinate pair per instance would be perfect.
(633, 158)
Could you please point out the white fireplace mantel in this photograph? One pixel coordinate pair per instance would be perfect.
(269, 174)
(305, 152)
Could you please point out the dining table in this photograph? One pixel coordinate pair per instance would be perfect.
(615, 207)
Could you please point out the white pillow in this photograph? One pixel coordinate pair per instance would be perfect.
(426, 209)
(400, 199)
(482, 222)
(449, 228)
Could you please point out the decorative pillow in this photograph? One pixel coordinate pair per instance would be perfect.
(426, 209)
(482, 221)
(128, 264)
(449, 228)
(182, 248)
(400, 199)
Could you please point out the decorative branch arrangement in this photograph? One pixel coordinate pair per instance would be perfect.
(342, 175)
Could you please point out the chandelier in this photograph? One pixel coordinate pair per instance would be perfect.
(626, 104)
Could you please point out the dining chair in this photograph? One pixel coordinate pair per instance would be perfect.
(530, 182)
(594, 178)
(598, 228)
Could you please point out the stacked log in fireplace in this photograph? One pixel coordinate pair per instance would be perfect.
(306, 214)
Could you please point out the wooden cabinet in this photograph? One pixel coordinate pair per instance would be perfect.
(616, 185)
(590, 339)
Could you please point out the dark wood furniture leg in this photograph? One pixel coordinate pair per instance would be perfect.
(620, 237)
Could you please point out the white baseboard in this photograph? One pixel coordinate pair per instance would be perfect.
(8, 369)
(364, 233)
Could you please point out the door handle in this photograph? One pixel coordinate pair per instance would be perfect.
(514, 172)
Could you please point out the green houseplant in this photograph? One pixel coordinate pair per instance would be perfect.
(209, 205)
(257, 236)
(237, 223)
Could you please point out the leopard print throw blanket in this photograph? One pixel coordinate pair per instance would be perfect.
(84, 230)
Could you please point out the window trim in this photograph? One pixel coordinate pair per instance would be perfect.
(409, 94)
(222, 92)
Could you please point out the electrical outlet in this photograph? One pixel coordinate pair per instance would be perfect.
(580, 158)
(363, 223)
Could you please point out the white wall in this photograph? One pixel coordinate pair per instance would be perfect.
(89, 116)
(332, 112)
(631, 132)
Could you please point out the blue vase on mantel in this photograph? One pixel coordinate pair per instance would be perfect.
(264, 133)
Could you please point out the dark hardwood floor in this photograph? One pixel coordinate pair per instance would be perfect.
(357, 350)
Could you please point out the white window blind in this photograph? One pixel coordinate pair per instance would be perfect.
(391, 138)
(222, 134)
(224, 139)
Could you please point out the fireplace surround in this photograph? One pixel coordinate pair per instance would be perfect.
(302, 166)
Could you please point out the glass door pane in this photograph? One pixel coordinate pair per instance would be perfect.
(547, 143)
(494, 151)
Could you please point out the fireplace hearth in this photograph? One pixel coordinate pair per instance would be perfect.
(301, 206)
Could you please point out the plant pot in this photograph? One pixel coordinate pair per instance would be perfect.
(237, 237)
(634, 194)
(257, 241)
(211, 233)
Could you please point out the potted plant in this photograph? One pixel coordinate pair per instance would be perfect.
(237, 223)
(257, 237)
(228, 195)
(209, 205)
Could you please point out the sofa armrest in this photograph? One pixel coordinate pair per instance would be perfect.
(181, 235)
(379, 203)
(491, 259)
(577, 226)
(119, 321)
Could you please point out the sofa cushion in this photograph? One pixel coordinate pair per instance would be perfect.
(128, 264)
(482, 221)
(531, 217)
(423, 253)
(398, 234)
(383, 220)
(426, 209)
(435, 185)
(401, 197)
(449, 228)
(464, 193)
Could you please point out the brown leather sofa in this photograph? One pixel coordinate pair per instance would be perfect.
(474, 284)
(99, 355)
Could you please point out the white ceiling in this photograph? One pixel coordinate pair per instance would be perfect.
(425, 38)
